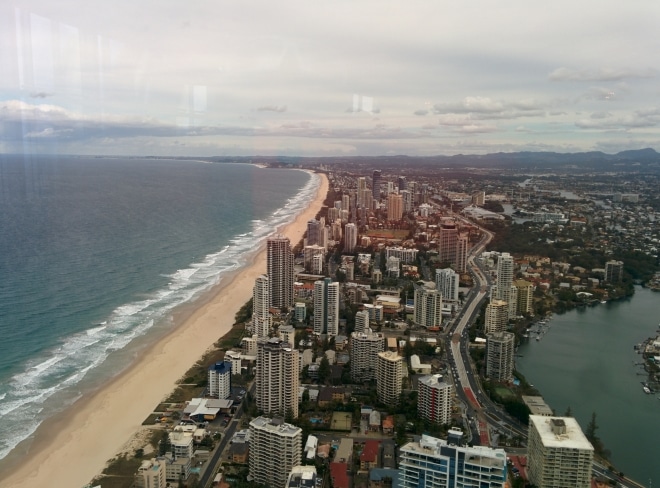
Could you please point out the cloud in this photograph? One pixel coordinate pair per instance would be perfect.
(421, 112)
(41, 94)
(272, 108)
(602, 74)
(606, 121)
(484, 108)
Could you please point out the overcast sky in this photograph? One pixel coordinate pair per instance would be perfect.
(325, 78)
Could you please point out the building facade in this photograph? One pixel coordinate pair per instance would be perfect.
(435, 399)
(275, 448)
(219, 376)
(394, 206)
(497, 316)
(558, 453)
(350, 238)
(361, 321)
(365, 347)
(435, 463)
(277, 380)
(525, 297)
(389, 377)
(447, 281)
(614, 271)
(326, 307)
(428, 307)
(280, 271)
(499, 355)
(261, 306)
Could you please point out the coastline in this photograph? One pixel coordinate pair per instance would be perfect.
(74, 447)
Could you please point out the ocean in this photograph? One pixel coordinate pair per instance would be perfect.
(97, 253)
(586, 360)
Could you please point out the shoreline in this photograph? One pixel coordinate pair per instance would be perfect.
(74, 446)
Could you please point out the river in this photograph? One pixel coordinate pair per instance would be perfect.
(587, 361)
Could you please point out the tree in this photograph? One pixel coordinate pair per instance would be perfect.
(164, 445)
(568, 412)
(324, 369)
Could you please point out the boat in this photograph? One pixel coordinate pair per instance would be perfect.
(602, 301)
(646, 389)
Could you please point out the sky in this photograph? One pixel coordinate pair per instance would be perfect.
(333, 78)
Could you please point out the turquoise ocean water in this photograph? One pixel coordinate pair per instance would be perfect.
(96, 254)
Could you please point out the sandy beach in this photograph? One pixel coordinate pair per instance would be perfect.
(72, 449)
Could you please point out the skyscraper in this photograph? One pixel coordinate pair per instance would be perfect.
(448, 242)
(275, 448)
(365, 347)
(504, 288)
(497, 316)
(435, 399)
(350, 237)
(428, 307)
(375, 184)
(499, 355)
(389, 377)
(313, 232)
(326, 307)
(280, 271)
(402, 183)
(446, 281)
(613, 271)
(559, 454)
(436, 463)
(525, 296)
(261, 306)
(361, 321)
(394, 206)
(277, 377)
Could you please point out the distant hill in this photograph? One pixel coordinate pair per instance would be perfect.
(631, 160)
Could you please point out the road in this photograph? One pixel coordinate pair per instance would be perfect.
(212, 465)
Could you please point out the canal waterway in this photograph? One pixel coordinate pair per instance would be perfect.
(586, 360)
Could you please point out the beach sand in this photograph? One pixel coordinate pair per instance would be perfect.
(74, 448)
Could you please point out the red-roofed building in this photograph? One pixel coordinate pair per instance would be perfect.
(388, 425)
(369, 456)
(339, 475)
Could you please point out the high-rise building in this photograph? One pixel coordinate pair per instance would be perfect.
(525, 296)
(428, 307)
(435, 399)
(350, 238)
(614, 271)
(499, 355)
(151, 474)
(407, 198)
(407, 255)
(504, 288)
(326, 307)
(219, 376)
(365, 347)
(277, 377)
(261, 306)
(375, 184)
(479, 198)
(300, 312)
(394, 206)
(448, 242)
(447, 281)
(309, 253)
(436, 463)
(345, 203)
(280, 272)
(313, 232)
(361, 321)
(402, 183)
(497, 316)
(558, 453)
(460, 263)
(275, 448)
(389, 377)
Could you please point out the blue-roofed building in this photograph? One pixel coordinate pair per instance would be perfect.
(220, 380)
(383, 478)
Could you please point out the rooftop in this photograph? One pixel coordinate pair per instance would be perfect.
(570, 436)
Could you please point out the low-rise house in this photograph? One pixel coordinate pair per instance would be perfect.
(369, 455)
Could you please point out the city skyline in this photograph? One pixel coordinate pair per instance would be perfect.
(342, 79)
